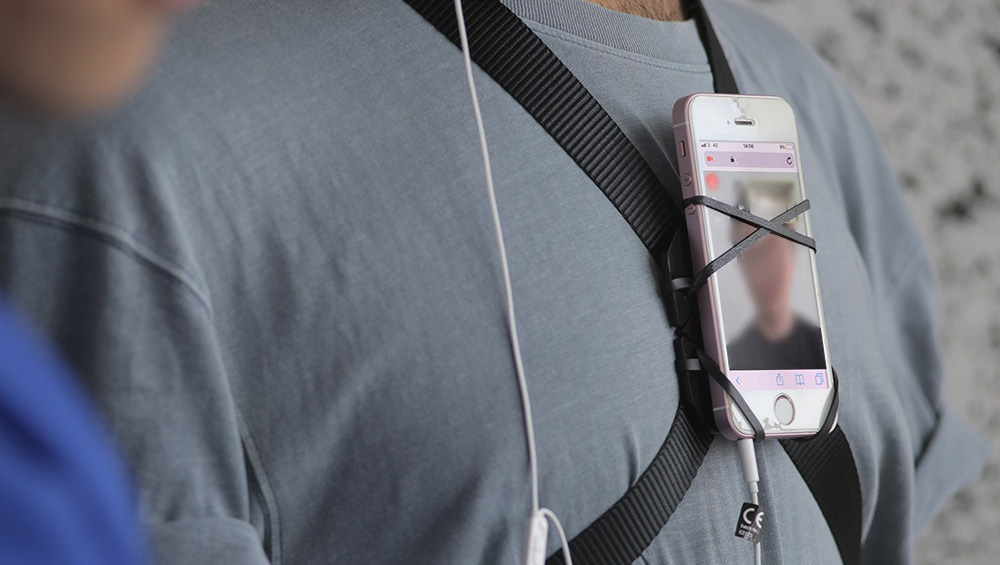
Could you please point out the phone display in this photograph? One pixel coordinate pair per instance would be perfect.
(767, 299)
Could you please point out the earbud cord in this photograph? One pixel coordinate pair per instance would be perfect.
(748, 461)
(522, 383)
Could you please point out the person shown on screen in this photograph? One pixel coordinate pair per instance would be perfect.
(777, 337)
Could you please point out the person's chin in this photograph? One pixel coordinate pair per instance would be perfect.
(81, 75)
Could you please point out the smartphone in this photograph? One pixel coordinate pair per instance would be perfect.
(761, 314)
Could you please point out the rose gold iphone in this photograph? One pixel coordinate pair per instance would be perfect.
(761, 314)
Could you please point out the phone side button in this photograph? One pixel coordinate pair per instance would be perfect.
(784, 409)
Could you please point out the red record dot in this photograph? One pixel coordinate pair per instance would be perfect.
(711, 181)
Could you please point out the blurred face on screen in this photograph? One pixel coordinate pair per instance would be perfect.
(74, 57)
(768, 267)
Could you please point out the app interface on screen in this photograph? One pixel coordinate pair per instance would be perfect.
(770, 315)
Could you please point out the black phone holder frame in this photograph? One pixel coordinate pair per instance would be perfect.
(680, 288)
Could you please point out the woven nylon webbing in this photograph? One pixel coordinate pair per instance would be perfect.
(506, 49)
(628, 527)
(531, 73)
(827, 466)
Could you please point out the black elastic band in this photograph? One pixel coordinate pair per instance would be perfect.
(713, 371)
(764, 227)
(775, 225)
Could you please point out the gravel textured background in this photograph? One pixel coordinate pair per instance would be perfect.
(927, 73)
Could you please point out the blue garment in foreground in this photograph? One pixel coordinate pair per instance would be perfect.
(65, 497)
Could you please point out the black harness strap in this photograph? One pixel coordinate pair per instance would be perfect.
(531, 73)
(506, 49)
(626, 529)
(828, 468)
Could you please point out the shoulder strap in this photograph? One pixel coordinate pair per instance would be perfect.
(506, 49)
(532, 74)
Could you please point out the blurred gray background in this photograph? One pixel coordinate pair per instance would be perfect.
(927, 73)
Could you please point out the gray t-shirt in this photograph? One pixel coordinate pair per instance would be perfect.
(276, 271)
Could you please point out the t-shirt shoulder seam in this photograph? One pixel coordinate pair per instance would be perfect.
(112, 235)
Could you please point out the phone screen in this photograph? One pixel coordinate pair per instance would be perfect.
(767, 298)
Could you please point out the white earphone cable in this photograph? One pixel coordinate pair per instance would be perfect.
(562, 535)
(511, 322)
(522, 382)
(748, 461)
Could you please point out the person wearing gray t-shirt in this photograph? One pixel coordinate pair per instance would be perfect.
(276, 270)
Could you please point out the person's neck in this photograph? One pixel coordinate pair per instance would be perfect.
(776, 326)
(666, 10)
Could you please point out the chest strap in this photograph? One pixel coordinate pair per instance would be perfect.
(517, 59)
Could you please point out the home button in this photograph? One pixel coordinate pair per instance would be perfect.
(784, 409)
